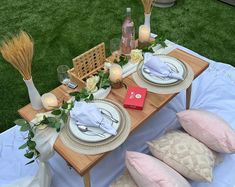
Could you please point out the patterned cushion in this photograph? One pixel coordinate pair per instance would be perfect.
(185, 154)
(124, 180)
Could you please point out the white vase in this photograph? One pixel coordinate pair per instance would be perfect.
(34, 96)
(147, 20)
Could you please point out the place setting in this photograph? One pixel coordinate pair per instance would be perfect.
(104, 130)
(163, 74)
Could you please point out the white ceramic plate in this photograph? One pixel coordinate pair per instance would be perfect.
(174, 64)
(89, 136)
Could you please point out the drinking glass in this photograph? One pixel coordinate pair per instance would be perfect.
(115, 48)
(62, 72)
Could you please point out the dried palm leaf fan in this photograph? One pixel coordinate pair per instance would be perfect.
(147, 11)
(147, 6)
(18, 51)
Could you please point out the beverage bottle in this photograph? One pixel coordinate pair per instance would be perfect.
(128, 34)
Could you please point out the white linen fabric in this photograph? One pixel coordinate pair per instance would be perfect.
(45, 140)
(159, 68)
(214, 91)
(81, 112)
(128, 69)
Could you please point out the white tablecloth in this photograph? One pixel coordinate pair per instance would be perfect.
(214, 91)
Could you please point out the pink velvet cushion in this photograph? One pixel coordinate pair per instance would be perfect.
(209, 129)
(148, 171)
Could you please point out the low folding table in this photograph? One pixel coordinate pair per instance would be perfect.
(153, 103)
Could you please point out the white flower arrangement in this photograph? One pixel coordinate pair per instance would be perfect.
(91, 84)
(136, 56)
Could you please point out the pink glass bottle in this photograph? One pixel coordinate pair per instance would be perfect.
(128, 34)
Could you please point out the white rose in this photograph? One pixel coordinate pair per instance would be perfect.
(91, 84)
(136, 56)
(39, 117)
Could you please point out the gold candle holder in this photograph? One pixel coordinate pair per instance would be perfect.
(116, 85)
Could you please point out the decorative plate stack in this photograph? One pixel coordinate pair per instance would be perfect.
(165, 85)
(96, 140)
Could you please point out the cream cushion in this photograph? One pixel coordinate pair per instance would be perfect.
(148, 171)
(208, 128)
(124, 180)
(185, 154)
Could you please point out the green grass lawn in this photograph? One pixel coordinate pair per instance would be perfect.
(63, 29)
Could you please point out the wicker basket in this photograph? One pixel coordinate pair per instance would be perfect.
(87, 64)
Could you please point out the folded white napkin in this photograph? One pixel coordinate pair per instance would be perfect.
(158, 68)
(88, 114)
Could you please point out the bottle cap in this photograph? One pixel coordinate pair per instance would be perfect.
(128, 9)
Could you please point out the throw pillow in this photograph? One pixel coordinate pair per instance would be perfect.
(124, 180)
(209, 129)
(185, 154)
(148, 171)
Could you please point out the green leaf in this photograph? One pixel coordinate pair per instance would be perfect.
(31, 144)
(83, 93)
(160, 39)
(31, 134)
(101, 73)
(37, 153)
(56, 112)
(25, 127)
(45, 120)
(30, 162)
(122, 60)
(64, 117)
(29, 154)
(106, 75)
(23, 146)
(77, 97)
(64, 105)
(91, 97)
(104, 81)
(57, 126)
(20, 122)
(51, 119)
(73, 93)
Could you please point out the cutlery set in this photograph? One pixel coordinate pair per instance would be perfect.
(84, 128)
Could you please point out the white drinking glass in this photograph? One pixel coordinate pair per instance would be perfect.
(62, 72)
(115, 48)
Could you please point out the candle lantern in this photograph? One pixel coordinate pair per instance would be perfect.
(144, 36)
(49, 101)
(115, 76)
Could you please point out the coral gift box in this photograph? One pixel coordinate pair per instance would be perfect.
(135, 97)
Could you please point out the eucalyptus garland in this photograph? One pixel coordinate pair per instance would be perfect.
(57, 117)
(160, 39)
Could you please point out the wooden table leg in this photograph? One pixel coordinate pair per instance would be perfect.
(86, 179)
(188, 96)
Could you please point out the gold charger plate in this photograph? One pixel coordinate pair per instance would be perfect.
(92, 148)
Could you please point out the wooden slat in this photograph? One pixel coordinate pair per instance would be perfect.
(198, 65)
(61, 93)
(154, 102)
